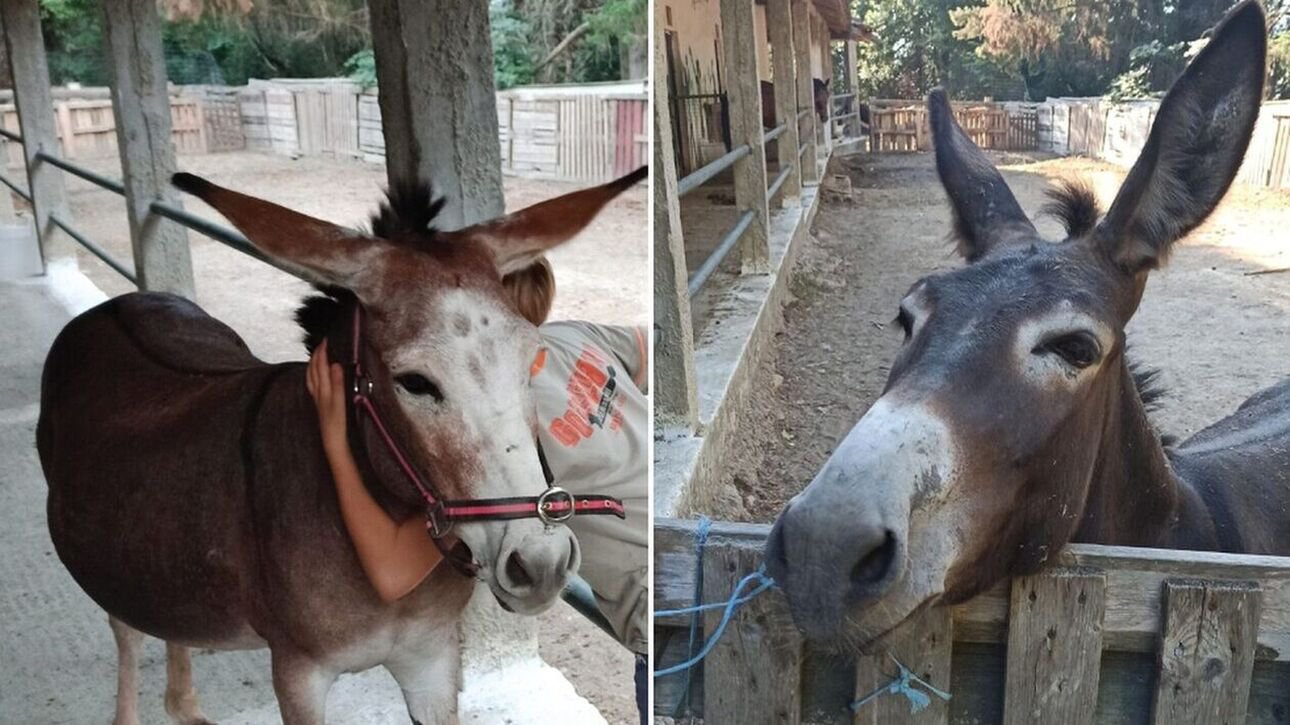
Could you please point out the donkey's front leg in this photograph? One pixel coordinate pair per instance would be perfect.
(301, 685)
(429, 673)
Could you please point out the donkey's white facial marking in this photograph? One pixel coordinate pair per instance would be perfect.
(1042, 368)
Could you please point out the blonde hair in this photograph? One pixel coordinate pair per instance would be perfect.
(532, 290)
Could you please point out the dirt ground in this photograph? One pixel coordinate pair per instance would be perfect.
(1217, 333)
(601, 276)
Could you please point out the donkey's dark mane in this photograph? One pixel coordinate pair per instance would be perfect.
(405, 218)
(318, 313)
(1074, 204)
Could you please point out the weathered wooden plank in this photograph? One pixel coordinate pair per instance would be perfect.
(1133, 600)
(923, 645)
(1206, 652)
(1054, 647)
(753, 675)
(802, 31)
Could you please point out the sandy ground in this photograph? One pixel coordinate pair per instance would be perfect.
(55, 640)
(1217, 333)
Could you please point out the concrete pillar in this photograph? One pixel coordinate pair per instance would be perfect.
(141, 106)
(675, 391)
(26, 48)
(434, 66)
(779, 23)
(802, 32)
(853, 87)
(743, 90)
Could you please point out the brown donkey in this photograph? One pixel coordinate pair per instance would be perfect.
(1011, 423)
(188, 491)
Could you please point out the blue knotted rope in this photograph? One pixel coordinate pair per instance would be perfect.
(737, 600)
(700, 541)
(903, 684)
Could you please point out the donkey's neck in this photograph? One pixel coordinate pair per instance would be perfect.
(1134, 498)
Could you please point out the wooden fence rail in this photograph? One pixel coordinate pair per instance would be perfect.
(903, 125)
(1104, 635)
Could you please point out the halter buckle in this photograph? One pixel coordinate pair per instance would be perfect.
(437, 523)
(546, 509)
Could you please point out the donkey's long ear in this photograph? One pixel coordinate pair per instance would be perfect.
(320, 250)
(520, 238)
(986, 214)
(1195, 147)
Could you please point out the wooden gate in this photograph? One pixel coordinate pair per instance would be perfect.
(902, 125)
(327, 119)
(631, 142)
(1105, 635)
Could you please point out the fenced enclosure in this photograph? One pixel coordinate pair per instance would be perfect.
(1116, 132)
(585, 133)
(1104, 635)
(902, 125)
(86, 127)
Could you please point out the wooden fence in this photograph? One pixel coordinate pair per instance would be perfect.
(1116, 132)
(584, 133)
(1105, 635)
(902, 125)
(86, 127)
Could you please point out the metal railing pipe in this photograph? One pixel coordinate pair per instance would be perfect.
(11, 135)
(700, 176)
(774, 133)
(96, 250)
(718, 255)
(110, 184)
(803, 113)
(16, 189)
(779, 181)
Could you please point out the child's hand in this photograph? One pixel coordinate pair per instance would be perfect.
(326, 383)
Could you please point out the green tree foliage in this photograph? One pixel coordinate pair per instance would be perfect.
(1033, 49)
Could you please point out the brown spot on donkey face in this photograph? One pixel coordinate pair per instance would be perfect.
(976, 462)
(448, 357)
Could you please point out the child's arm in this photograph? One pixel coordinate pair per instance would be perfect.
(396, 557)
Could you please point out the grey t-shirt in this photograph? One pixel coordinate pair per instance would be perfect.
(589, 384)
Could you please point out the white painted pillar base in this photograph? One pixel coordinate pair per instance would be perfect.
(503, 678)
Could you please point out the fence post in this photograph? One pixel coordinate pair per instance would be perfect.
(743, 89)
(26, 47)
(1206, 652)
(779, 21)
(141, 106)
(1054, 647)
(924, 645)
(674, 388)
(806, 89)
(754, 673)
(853, 87)
(439, 104)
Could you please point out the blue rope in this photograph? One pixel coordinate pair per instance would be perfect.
(737, 599)
(700, 542)
(903, 684)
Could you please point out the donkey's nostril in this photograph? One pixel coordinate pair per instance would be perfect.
(515, 571)
(874, 566)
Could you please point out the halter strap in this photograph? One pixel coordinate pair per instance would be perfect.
(553, 506)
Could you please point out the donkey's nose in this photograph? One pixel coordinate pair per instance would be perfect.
(536, 569)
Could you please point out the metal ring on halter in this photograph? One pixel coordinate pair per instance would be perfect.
(544, 506)
(439, 525)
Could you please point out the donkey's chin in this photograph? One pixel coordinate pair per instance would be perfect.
(862, 629)
(525, 606)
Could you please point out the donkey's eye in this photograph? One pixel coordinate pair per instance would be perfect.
(1079, 349)
(418, 384)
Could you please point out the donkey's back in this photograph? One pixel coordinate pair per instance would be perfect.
(142, 403)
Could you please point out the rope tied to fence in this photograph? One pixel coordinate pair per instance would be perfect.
(903, 684)
(757, 580)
